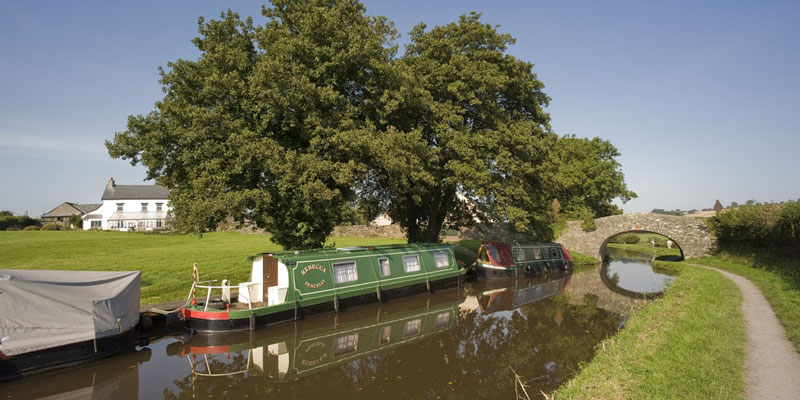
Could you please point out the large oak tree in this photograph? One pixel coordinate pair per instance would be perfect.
(259, 127)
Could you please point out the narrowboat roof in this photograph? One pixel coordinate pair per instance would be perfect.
(542, 244)
(299, 255)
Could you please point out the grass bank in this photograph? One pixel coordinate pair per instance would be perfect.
(688, 344)
(164, 259)
(647, 249)
(778, 278)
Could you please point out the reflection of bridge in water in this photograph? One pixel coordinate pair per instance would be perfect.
(589, 286)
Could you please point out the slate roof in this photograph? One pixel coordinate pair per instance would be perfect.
(66, 209)
(86, 208)
(135, 192)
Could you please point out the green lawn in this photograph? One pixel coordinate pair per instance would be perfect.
(647, 249)
(164, 259)
(688, 344)
(777, 277)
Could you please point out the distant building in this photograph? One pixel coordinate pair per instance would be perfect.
(61, 214)
(125, 207)
(382, 220)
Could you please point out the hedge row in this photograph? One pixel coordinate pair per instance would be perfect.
(16, 222)
(767, 224)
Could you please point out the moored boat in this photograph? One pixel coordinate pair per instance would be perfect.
(289, 285)
(503, 260)
(53, 319)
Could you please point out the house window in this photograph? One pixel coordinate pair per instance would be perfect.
(119, 206)
(537, 253)
(384, 265)
(386, 334)
(440, 259)
(345, 272)
(158, 206)
(553, 253)
(411, 263)
(144, 206)
(96, 224)
(159, 223)
(345, 344)
(412, 328)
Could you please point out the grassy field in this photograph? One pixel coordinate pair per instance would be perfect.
(646, 248)
(164, 259)
(688, 344)
(777, 277)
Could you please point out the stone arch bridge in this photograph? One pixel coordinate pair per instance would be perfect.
(689, 233)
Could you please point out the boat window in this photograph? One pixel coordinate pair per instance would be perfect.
(412, 328)
(384, 266)
(440, 259)
(493, 252)
(442, 320)
(537, 253)
(553, 253)
(411, 263)
(386, 334)
(519, 254)
(345, 272)
(345, 344)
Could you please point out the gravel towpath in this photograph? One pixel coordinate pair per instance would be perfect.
(772, 366)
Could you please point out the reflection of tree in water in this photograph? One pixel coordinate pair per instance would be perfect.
(544, 342)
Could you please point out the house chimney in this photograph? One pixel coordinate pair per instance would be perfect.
(110, 182)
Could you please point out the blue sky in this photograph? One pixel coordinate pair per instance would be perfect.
(702, 100)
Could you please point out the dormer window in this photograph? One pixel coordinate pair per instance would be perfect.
(119, 206)
(144, 207)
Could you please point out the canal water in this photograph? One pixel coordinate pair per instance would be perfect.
(461, 343)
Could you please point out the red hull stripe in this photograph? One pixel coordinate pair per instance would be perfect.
(195, 314)
(209, 349)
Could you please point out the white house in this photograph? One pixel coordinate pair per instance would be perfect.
(139, 207)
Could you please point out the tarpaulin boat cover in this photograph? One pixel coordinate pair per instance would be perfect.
(44, 309)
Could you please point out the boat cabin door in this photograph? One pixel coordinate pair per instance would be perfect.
(270, 271)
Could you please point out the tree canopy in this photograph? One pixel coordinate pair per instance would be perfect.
(586, 176)
(289, 124)
(465, 133)
(259, 127)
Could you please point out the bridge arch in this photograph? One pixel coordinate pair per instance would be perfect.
(690, 233)
(675, 242)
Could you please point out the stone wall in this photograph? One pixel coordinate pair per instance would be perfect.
(496, 232)
(368, 231)
(690, 234)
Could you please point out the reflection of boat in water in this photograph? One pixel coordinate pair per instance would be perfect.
(113, 378)
(293, 350)
(502, 295)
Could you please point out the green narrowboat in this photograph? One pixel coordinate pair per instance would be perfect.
(502, 260)
(304, 348)
(289, 285)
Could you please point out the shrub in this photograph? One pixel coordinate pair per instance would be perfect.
(630, 238)
(758, 225)
(51, 227)
(31, 228)
(15, 223)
